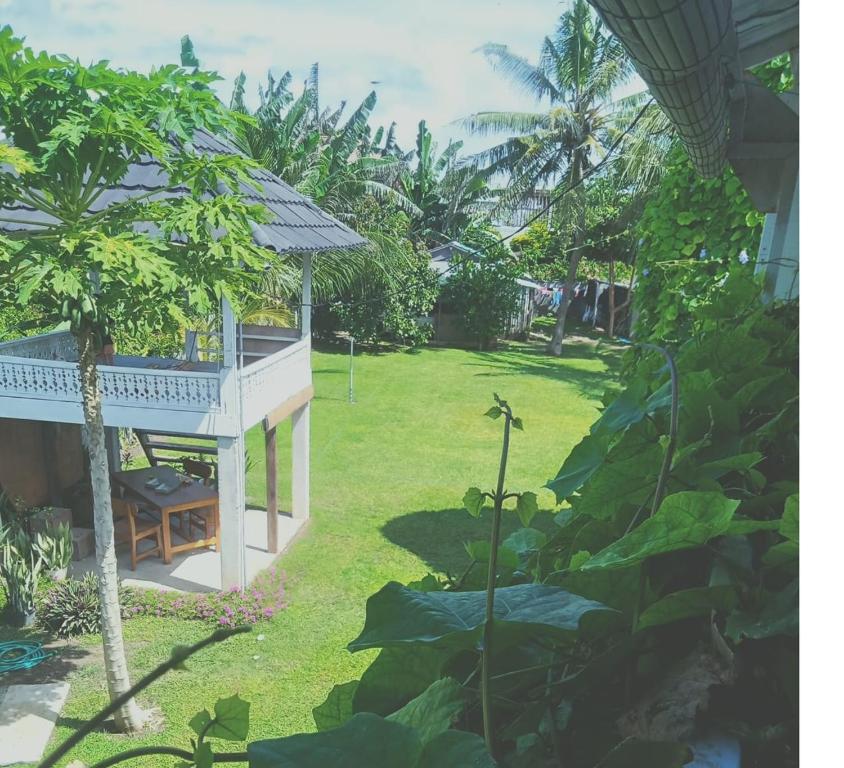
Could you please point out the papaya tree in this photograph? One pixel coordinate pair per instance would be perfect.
(96, 255)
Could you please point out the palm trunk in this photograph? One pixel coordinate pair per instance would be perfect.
(555, 346)
(611, 318)
(129, 717)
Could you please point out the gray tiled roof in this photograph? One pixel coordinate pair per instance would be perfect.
(296, 224)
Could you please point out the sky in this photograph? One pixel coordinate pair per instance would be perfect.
(421, 54)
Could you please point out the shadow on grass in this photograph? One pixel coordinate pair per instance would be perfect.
(438, 536)
(533, 361)
(65, 658)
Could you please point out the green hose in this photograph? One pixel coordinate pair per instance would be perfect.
(16, 656)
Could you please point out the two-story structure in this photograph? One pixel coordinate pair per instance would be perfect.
(254, 375)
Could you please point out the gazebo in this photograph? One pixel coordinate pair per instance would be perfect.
(258, 375)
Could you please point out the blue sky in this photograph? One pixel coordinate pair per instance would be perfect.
(420, 52)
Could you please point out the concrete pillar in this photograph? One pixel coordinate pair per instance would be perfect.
(231, 463)
(272, 489)
(230, 481)
(779, 248)
(301, 431)
(306, 295)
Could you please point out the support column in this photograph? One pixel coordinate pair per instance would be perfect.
(301, 462)
(272, 489)
(112, 439)
(230, 462)
(305, 315)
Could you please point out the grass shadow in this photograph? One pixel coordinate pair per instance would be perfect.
(437, 536)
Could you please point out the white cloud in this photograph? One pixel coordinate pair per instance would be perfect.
(421, 53)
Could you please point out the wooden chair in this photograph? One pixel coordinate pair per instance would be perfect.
(138, 530)
(205, 518)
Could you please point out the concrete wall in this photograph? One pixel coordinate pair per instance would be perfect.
(39, 459)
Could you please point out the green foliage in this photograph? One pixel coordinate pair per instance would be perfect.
(397, 616)
(54, 546)
(385, 303)
(481, 289)
(695, 233)
(111, 267)
(70, 607)
(443, 191)
(543, 254)
(20, 567)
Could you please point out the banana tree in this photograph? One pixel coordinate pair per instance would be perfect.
(75, 244)
(444, 191)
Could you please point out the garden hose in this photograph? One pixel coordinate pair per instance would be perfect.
(15, 656)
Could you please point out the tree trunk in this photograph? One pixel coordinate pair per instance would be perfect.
(555, 346)
(611, 318)
(129, 717)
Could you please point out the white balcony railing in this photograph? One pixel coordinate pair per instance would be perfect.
(59, 381)
(57, 345)
(266, 384)
(135, 395)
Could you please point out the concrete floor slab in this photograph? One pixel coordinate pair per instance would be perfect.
(199, 570)
(28, 714)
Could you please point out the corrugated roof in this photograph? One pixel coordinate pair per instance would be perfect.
(296, 224)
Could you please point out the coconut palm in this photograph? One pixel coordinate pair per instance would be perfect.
(579, 68)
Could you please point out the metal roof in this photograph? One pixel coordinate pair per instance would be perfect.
(692, 54)
(296, 224)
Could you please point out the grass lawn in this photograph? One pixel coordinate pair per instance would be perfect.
(388, 474)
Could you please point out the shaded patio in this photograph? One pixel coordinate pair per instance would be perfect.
(199, 570)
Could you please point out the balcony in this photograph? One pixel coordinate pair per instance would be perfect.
(39, 379)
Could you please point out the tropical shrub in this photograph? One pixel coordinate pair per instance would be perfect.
(54, 546)
(70, 607)
(480, 289)
(20, 567)
(386, 302)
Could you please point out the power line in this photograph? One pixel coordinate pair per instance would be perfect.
(541, 212)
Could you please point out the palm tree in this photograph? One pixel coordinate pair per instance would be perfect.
(579, 68)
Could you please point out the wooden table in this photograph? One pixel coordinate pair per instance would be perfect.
(192, 496)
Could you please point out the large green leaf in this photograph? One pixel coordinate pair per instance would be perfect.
(396, 676)
(456, 749)
(580, 465)
(616, 483)
(435, 710)
(230, 721)
(790, 527)
(683, 520)
(779, 615)
(398, 616)
(337, 708)
(525, 542)
(740, 462)
(687, 603)
(365, 740)
(633, 753)
(628, 408)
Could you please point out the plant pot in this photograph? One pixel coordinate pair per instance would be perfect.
(58, 574)
(23, 619)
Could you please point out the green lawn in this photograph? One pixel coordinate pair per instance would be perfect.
(388, 474)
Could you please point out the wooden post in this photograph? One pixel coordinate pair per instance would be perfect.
(301, 461)
(272, 490)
